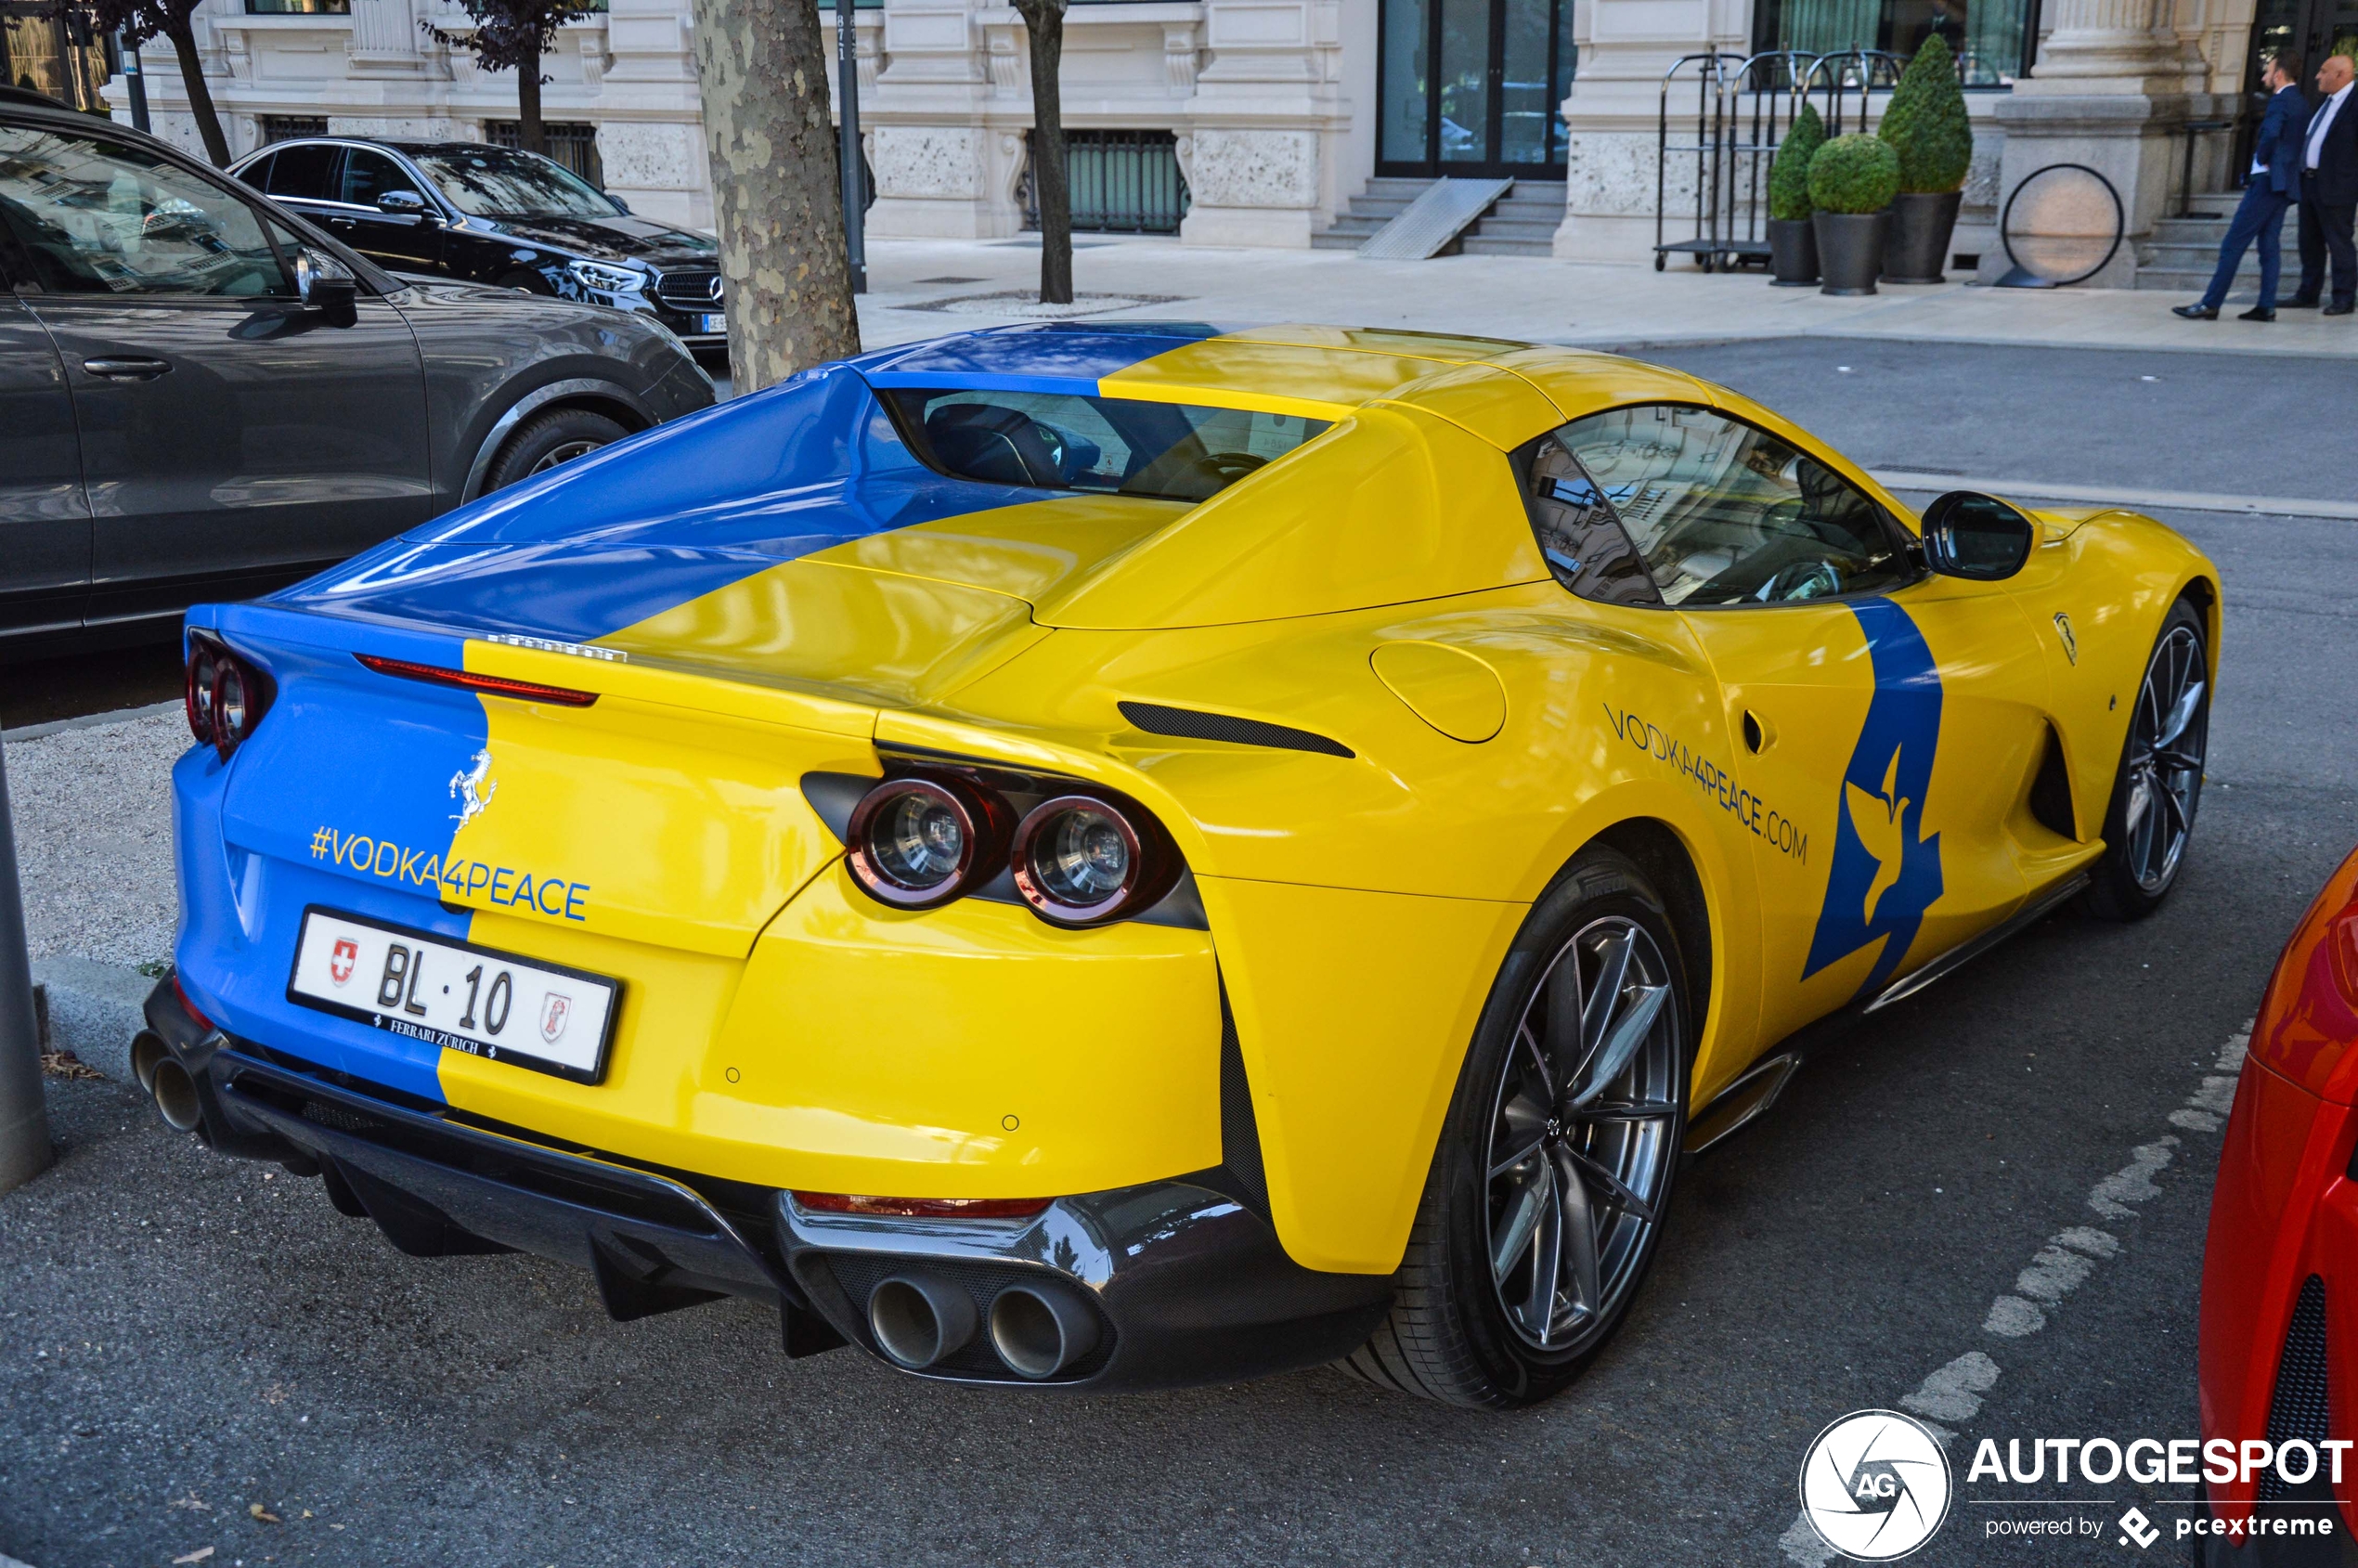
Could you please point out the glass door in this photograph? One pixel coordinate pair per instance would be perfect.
(1472, 87)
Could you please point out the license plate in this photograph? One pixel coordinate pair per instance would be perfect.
(717, 323)
(456, 995)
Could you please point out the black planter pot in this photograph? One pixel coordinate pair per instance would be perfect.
(1917, 251)
(1850, 249)
(1792, 252)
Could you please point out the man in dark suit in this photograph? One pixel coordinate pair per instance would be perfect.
(2329, 192)
(2274, 185)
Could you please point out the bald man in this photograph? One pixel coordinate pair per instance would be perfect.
(2329, 192)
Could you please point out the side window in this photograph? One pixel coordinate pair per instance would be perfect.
(257, 174)
(1722, 513)
(368, 175)
(303, 171)
(95, 216)
(1584, 544)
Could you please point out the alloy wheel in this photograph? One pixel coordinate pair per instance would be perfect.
(2168, 732)
(1582, 1135)
(565, 452)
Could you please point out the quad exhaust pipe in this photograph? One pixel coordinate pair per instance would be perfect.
(167, 1084)
(920, 1320)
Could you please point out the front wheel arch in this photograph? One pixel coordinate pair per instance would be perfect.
(597, 397)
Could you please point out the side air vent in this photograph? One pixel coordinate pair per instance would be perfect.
(1156, 719)
(2050, 791)
(2297, 1409)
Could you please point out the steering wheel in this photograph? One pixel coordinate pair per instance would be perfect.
(1226, 467)
(1803, 579)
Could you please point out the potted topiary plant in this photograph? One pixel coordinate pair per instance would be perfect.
(1927, 126)
(1793, 243)
(1852, 180)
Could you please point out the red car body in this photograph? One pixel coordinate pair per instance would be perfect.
(2280, 1270)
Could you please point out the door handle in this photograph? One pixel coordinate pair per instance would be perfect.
(127, 370)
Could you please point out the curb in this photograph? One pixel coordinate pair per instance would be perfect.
(87, 722)
(93, 1009)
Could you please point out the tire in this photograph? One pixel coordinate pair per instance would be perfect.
(2150, 819)
(546, 440)
(1460, 1331)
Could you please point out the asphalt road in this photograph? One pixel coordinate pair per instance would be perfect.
(184, 1338)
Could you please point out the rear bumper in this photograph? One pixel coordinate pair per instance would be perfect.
(1185, 1284)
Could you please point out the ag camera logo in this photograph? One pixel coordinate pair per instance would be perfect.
(1875, 1486)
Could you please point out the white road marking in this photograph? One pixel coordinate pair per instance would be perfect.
(2134, 499)
(1953, 1392)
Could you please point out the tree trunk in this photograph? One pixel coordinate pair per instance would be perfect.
(530, 134)
(1043, 24)
(762, 70)
(184, 47)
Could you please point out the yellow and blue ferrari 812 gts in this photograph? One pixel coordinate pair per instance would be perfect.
(1110, 855)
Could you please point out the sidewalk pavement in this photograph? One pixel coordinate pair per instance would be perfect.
(923, 288)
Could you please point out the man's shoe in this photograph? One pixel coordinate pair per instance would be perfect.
(2195, 312)
(2256, 313)
(2342, 309)
(2296, 304)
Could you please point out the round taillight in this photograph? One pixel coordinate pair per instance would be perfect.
(232, 707)
(1083, 861)
(199, 696)
(916, 843)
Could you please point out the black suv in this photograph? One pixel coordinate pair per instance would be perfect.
(203, 396)
(489, 215)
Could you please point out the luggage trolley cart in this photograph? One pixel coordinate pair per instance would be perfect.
(1708, 70)
(1763, 95)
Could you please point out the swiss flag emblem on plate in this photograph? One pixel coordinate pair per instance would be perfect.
(339, 962)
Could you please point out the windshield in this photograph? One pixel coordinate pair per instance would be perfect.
(496, 181)
(1112, 446)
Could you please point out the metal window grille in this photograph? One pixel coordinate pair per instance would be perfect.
(571, 143)
(292, 127)
(1123, 182)
(298, 8)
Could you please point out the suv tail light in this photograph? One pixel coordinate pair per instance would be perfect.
(225, 695)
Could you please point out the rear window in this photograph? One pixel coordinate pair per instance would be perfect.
(1105, 445)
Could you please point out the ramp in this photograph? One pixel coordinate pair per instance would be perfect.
(1445, 210)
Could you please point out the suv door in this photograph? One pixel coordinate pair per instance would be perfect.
(410, 240)
(232, 440)
(1884, 724)
(44, 518)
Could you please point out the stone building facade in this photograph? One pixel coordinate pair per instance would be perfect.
(1278, 111)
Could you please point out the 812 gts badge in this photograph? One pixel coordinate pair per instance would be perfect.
(1875, 1486)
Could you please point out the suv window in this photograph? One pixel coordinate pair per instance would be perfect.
(95, 216)
(303, 171)
(368, 175)
(1722, 513)
(1065, 441)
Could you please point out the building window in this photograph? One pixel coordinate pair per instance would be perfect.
(1123, 182)
(291, 127)
(51, 49)
(1992, 39)
(1474, 87)
(571, 143)
(298, 8)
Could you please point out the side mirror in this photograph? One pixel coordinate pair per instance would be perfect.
(407, 204)
(325, 285)
(620, 206)
(1976, 537)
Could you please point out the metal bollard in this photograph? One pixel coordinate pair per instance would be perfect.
(24, 1113)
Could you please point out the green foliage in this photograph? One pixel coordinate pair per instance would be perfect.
(1789, 176)
(1925, 123)
(1853, 174)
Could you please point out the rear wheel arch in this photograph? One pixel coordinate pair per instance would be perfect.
(1663, 855)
